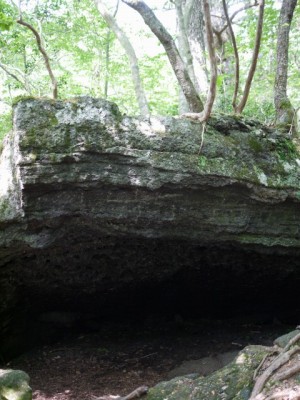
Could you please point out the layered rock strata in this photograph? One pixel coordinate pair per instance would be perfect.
(98, 209)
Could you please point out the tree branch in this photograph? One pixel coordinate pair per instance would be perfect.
(44, 54)
(244, 8)
(185, 82)
(2, 66)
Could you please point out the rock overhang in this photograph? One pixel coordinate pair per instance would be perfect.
(98, 203)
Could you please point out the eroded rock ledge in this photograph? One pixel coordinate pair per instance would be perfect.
(97, 207)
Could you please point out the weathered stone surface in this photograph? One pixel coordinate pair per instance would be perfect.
(98, 208)
(14, 385)
(204, 366)
(282, 341)
(233, 382)
(81, 158)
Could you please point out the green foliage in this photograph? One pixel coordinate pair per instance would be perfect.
(6, 16)
(162, 98)
(87, 59)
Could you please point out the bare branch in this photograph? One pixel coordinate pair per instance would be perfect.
(44, 54)
(2, 66)
(244, 8)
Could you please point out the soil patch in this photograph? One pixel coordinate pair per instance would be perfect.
(122, 356)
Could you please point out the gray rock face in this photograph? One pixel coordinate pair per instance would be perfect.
(96, 207)
(204, 366)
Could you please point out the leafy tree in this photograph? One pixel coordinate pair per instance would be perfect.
(87, 57)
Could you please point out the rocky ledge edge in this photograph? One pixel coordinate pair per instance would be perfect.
(233, 179)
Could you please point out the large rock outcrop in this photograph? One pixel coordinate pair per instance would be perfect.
(98, 209)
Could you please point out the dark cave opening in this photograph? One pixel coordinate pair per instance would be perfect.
(68, 291)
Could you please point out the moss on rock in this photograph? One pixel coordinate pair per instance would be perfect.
(233, 382)
(14, 385)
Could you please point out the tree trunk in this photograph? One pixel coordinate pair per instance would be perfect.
(213, 63)
(240, 107)
(285, 114)
(184, 41)
(185, 52)
(44, 54)
(185, 82)
(137, 81)
(204, 116)
(194, 20)
(236, 56)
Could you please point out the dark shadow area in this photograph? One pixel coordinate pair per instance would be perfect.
(147, 283)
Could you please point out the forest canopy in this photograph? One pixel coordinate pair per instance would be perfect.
(107, 48)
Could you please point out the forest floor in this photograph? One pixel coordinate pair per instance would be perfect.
(122, 356)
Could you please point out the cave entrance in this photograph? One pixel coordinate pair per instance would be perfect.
(143, 283)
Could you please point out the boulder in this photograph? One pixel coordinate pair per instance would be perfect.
(101, 211)
(204, 366)
(14, 385)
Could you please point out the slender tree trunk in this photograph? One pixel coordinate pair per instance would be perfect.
(194, 20)
(213, 63)
(107, 59)
(205, 114)
(236, 56)
(240, 107)
(44, 54)
(137, 81)
(182, 75)
(185, 52)
(107, 54)
(184, 41)
(284, 111)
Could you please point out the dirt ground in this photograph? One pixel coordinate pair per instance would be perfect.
(119, 357)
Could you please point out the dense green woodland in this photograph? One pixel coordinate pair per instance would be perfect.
(84, 43)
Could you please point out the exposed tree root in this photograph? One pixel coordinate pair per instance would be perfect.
(262, 363)
(287, 394)
(193, 116)
(288, 373)
(284, 356)
(140, 391)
